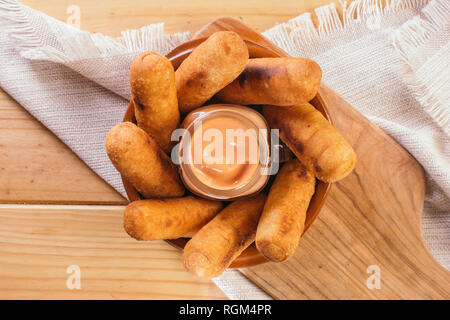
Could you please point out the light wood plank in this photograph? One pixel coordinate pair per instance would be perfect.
(372, 218)
(38, 243)
(36, 167)
(178, 15)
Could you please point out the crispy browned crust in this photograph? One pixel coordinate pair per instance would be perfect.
(275, 81)
(315, 142)
(224, 238)
(152, 82)
(283, 217)
(210, 67)
(171, 218)
(140, 160)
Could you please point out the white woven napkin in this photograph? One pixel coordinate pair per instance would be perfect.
(391, 63)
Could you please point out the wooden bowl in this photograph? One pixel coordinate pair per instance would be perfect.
(250, 256)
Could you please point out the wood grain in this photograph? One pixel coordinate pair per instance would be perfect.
(36, 167)
(177, 15)
(357, 228)
(45, 170)
(371, 218)
(39, 243)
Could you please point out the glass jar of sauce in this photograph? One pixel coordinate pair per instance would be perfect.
(224, 152)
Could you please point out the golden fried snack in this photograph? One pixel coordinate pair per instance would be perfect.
(142, 162)
(210, 67)
(315, 142)
(283, 218)
(171, 218)
(152, 82)
(222, 240)
(275, 81)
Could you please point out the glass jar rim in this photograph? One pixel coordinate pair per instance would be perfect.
(257, 181)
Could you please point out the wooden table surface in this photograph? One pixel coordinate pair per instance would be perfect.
(51, 203)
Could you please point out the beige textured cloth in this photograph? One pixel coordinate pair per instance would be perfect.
(391, 63)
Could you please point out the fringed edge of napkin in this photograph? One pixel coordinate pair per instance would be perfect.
(301, 31)
(14, 11)
(428, 81)
(82, 44)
